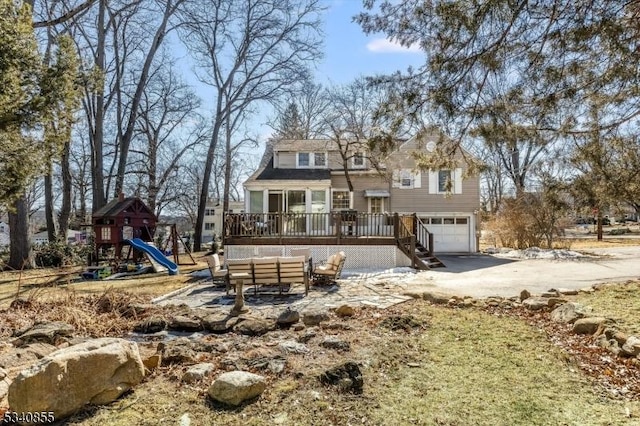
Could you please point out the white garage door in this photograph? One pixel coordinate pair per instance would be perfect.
(450, 234)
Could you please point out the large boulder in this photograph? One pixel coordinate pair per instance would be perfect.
(219, 323)
(314, 317)
(184, 323)
(568, 313)
(288, 317)
(94, 372)
(51, 333)
(234, 387)
(197, 372)
(178, 351)
(254, 327)
(536, 303)
(589, 325)
(632, 346)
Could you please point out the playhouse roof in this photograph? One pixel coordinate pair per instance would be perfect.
(116, 206)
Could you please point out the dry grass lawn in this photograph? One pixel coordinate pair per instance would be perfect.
(463, 367)
(63, 282)
(457, 367)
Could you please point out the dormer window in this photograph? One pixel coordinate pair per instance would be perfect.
(358, 160)
(303, 159)
(311, 160)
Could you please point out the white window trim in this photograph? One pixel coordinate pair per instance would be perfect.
(326, 160)
(298, 166)
(434, 187)
(312, 160)
(399, 175)
(358, 166)
(369, 204)
(341, 190)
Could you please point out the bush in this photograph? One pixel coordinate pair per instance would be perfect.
(58, 254)
(619, 231)
(529, 220)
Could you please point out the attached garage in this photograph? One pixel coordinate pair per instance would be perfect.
(451, 234)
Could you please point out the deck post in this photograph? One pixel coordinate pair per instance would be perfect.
(412, 248)
(396, 226)
(338, 221)
(430, 238)
(414, 224)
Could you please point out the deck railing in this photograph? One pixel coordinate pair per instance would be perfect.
(342, 224)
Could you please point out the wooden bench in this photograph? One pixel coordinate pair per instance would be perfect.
(268, 271)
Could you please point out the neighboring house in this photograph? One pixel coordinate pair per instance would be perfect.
(4, 235)
(212, 224)
(73, 236)
(307, 176)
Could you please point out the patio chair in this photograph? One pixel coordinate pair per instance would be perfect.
(218, 275)
(330, 271)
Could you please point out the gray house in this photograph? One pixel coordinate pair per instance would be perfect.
(301, 190)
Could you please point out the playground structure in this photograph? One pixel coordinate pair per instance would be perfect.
(128, 222)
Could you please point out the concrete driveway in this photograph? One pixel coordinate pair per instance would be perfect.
(484, 275)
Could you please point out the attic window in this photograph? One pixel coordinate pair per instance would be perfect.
(358, 160)
(303, 159)
(311, 160)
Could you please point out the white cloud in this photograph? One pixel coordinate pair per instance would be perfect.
(383, 45)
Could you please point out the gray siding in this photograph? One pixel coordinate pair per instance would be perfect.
(360, 183)
(286, 160)
(419, 200)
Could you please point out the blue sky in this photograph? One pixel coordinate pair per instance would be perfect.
(350, 53)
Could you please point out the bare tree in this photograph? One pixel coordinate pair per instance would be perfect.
(168, 129)
(248, 51)
(79, 170)
(169, 8)
(311, 102)
(350, 120)
(122, 39)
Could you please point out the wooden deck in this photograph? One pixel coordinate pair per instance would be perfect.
(311, 228)
(338, 228)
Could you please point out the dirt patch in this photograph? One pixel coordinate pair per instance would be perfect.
(403, 322)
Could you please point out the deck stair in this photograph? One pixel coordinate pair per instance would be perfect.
(415, 241)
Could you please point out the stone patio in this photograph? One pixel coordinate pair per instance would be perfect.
(359, 290)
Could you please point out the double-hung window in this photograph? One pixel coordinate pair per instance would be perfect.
(445, 180)
(311, 160)
(358, 160)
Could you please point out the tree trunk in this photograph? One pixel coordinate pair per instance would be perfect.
(20, 256)
(204, 191)
(227, 168)
(599, 225)
(97, 158)
(65, 207)
(48, 205)
(125, 141)
(153, 174)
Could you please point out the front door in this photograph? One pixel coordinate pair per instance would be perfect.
(275, 207)
(296, 212)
